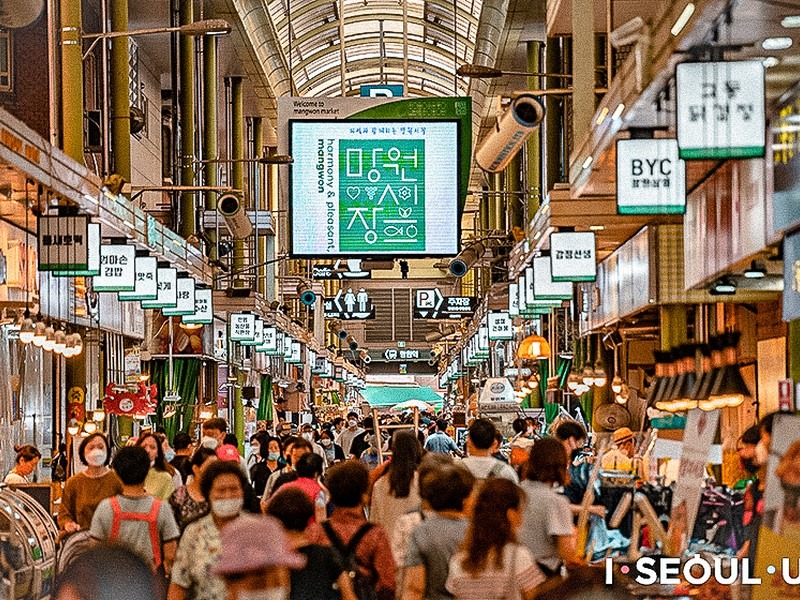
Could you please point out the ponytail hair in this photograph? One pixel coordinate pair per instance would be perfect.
(27, 452)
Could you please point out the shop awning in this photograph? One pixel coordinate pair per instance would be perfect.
(385, 395)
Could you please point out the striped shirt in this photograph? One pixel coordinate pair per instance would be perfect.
(493, 584)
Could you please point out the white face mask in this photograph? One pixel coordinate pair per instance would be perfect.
(209, 442)
(352, 423)
(307, 435)
(96, 458)
(254, 450)
(226, 508)
(280, 593)
(762, 454)
(325, 442)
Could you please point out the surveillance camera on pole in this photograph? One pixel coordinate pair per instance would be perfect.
(232, 209)
(466, 259)
(510, 133)
(337, 330)
(352, 343)
(307, 295)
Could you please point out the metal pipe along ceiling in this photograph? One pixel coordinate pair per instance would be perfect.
(262, 36)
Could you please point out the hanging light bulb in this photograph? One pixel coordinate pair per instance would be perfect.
(90, 427)
(39, 334)
(60, 342)
(189, 327)
(533, 383)
(616, 384)
(600, 377)
(49, 339)
(73, 427)
(26, 330)
(622, 396)
(98, 415)
(587, 376)
(582, 389)
(78, 344)
(69, 349)
(573, 381)
(729, 389)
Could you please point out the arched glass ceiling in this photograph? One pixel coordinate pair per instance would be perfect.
(440, 37)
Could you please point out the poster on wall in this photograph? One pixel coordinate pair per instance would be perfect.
(375, 176)
(779, 535)
(720, 109)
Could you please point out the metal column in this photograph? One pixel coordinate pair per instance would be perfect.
(533, 146)
(72, 72)
(515, 200)
(583, 63)
(120, 92)
(188, 218)
(237, 165)
(210, 130)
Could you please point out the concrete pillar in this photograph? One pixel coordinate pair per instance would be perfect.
(188, 217)
(583, 47)
(237, 166)
(533, 147)
(553, 127)
(120, 92)
(71, 72)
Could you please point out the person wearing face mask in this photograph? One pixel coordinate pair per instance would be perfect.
(270, 460)
(309, 435)
(25, 464)
(84, 491)
(223, 486)
(746, 451)
(350, 433)
(188, 502)
(293, 450)
(251, 569)
(161, 479)
(333, 451)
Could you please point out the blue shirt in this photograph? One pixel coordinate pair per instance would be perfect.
(440, 442)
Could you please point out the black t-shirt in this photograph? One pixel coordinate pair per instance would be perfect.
(316, 580)
(181, 464)
(259, 473)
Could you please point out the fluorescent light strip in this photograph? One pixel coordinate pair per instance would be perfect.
(683, 19)
(588, 162)
(618, 111)
(602, 116)
(791, 22)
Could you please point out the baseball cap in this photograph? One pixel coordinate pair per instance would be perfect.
(243, 547)
(228, 452)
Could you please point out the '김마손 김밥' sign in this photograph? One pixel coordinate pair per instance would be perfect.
(117, 269)
(720, 109)
(379, 188)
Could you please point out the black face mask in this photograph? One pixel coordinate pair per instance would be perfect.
(750, 465)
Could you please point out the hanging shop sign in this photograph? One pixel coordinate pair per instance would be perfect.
(431, 304)
(501, 327)
(573, 256)
(242, 327)
(497, 389)
(339, 374)
(701, 427)
(398, 355)
(287, 348)
(295, 353)
(146, 280)
(117, 269)
(258, 335)
(350, 305)
(93, 238)
(720, 109)
(791, 277)
(167, 295)
(203, 308)
(381, 91)
(483, 339)
(513, 300)
(120, 401)
(544, 288)
(651, 178)
(185, 289)
(280, 343)
(63, 243)
(269, 344)
(341, 269)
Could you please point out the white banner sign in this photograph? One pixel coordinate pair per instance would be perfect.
(573, 256)
(203, 308)
(242, 327)
(720, 109)
(63, 243)
(513, 300)
(146, 284)
(501, 326)
(186, 296)
(651, 179)
(258, 337)
(544, 288)
(167, 289)
(117, 269)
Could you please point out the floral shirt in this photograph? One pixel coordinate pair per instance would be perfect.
(186, 508)
(197, 552)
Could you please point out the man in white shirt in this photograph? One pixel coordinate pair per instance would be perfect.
(348, 435)
(480, 462)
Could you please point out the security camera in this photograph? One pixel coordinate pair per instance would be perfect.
(337, 329)
(510, 133)
(352, 343)
(232, 209)
(364, 354)
(307, 295)
(466, 259)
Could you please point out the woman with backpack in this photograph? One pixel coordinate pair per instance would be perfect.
(491, 565)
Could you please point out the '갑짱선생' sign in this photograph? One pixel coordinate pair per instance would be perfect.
(573, 256)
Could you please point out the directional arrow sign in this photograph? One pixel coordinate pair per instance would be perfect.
(350, 304)
(431, 304)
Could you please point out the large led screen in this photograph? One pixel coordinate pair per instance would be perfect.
(374, 188)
